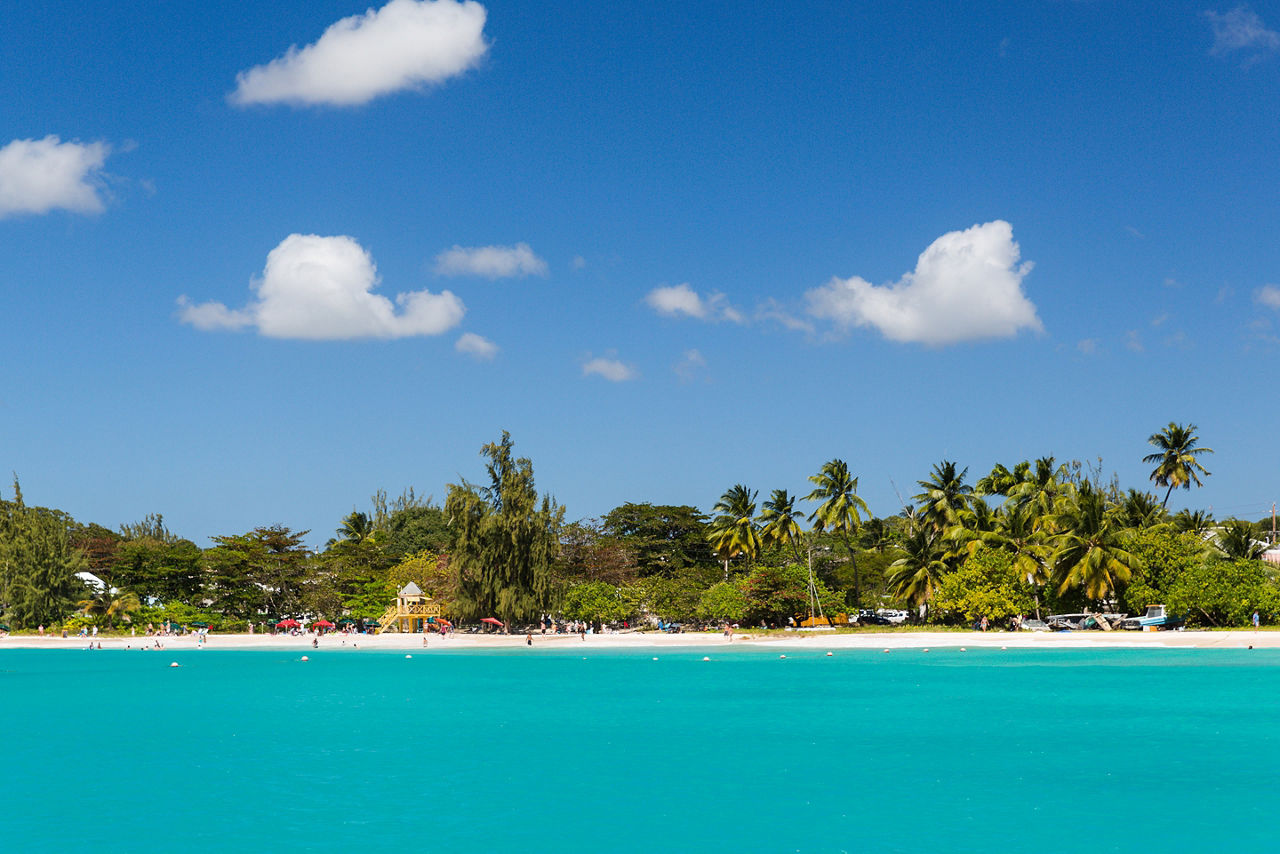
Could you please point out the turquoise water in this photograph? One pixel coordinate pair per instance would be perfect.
(1112, 750)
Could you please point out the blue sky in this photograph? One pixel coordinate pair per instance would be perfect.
(261, 260)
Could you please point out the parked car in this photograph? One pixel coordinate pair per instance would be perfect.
(893, 615)
(871, 618)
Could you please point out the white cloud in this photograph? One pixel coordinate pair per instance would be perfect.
(611, 369)
(578, 262)
(1240, 29)
(491, 262)
(1088, 346)
(771, 309)
(676, 300)
(966, 286)
(39, 175)
(406, 44)
(1268, 295)
(476, 346)
(320, 288)
(691, 364)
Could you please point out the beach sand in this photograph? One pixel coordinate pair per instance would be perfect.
(814, 641)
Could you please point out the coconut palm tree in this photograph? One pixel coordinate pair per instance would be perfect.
(1023, 534)
(1235, 539)
(356, 527)
(945, 495)
(1141, 510)
(733, 531)
(782, 522)
(1089, 549)
(840, 511)
(915, 577)
(1196, 522)
(108, 603)
(1176, 463)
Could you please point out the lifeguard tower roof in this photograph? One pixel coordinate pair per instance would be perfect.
(410, 589)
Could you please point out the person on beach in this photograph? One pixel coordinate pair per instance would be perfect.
(1256, 621)
(424, 640)
(528, 639)
(41, 630)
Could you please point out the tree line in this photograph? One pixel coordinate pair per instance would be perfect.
(1021, 540)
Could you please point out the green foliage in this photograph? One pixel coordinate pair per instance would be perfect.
(663, 538)
(1176, 463)
(734, 532)
(673, 598)
(506, 541)
(168, 570)
(988, 583)
(261, 571)
(1223, 593)
(38, 563)
(774, 593)
(589, 553)
(1162, 557)
(723, 603)
(596, 602)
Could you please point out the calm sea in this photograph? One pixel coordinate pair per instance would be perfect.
(538, 750)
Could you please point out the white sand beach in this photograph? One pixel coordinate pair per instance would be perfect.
(813, 641)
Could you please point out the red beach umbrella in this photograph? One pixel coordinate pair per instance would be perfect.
(324, 624)
(493, 621)
(288, 624)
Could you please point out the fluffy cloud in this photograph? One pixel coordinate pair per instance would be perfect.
(491, 262)
(1268, 295)
(1240, 29)
(404, 45)
(38, 175)
(966, 286)
(677, 300)
(691, 364)
(611, 369)
(476, 346)
(320, 288)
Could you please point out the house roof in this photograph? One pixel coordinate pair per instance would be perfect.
(410, 589)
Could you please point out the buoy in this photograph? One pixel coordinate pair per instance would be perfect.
(829, 654)
(962, 649)
(304, 658)
(655, 658)
(1004, 647)
(782, 656)
(926, 649)
(175, 664)
(408, 656)
(706, 658)
(886, 649)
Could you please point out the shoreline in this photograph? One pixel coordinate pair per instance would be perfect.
(818, 641)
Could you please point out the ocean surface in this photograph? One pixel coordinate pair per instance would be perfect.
(589, 751)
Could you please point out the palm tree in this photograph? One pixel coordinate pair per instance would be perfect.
(781, 522)
(1041, 486)
(1196, 522)
(356, 527)
(734, 531)
(916, 576)
(1089, 550)
(1023, 534)
(840, 511)
(1236, 540)
(1141, 510)
(1176, 463)
(945, 495)
(109, 602)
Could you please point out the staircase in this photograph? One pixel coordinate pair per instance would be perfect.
(388, 621)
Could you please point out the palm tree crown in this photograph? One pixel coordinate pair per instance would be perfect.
(781, 521)
(734, 531)
(1176, 463)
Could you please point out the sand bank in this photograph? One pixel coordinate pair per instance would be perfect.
(1240, 639)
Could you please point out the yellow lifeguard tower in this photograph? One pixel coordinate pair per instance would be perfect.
(411, 612)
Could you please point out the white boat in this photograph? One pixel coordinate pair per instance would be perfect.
(1158, 617)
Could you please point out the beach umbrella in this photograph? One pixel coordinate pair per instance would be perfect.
(372, 623)
(288, 624)
(200, 625)
(4, 627)
(492, 620)
(346, 621)
(324, 624)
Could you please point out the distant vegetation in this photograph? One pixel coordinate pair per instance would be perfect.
(1036, 537)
